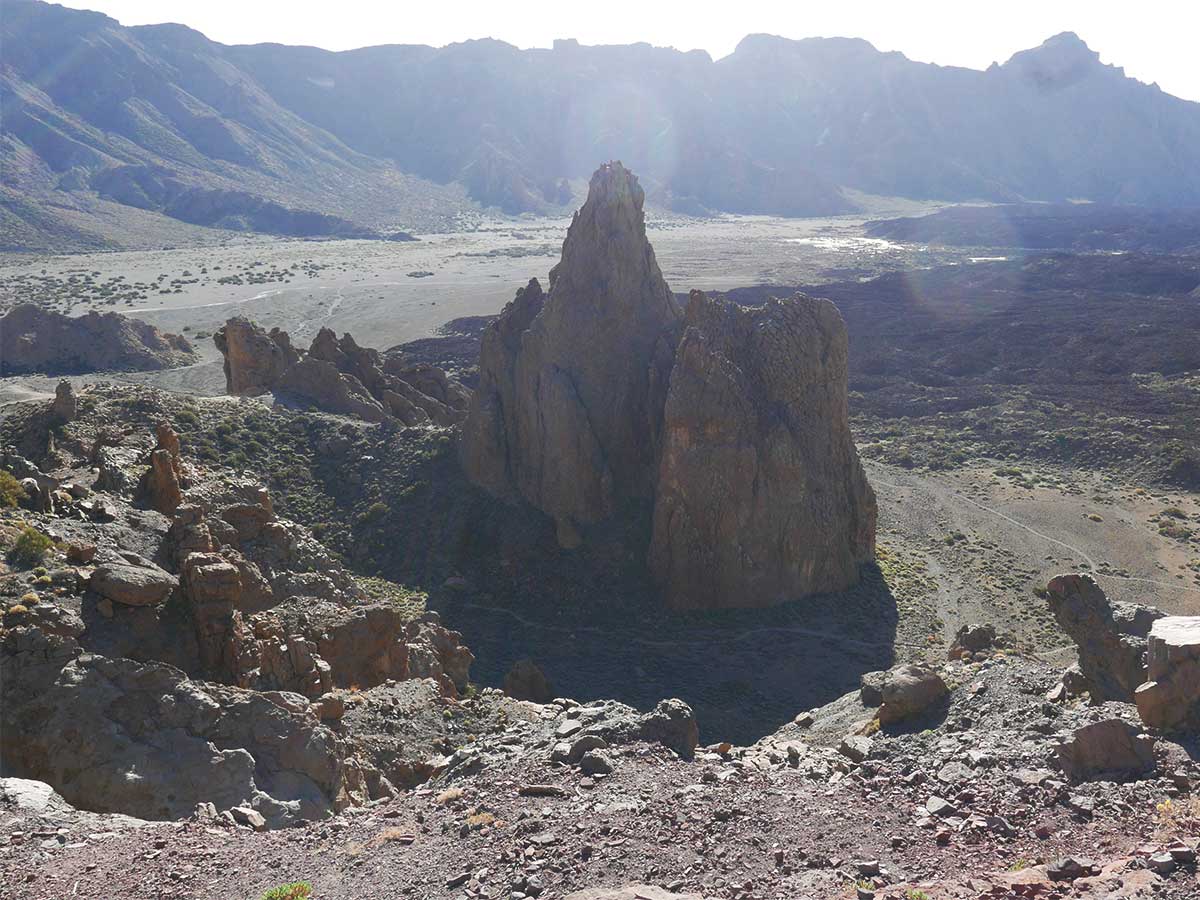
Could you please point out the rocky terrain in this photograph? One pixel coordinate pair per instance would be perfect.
(33, 339)
(287, 635)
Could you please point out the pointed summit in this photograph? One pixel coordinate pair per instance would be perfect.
(565, 414)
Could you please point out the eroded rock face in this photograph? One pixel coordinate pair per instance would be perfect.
(761, 496)
(33, 339)
(1111, 636)
(1170, 697)
(578, 430)
(160, 485)
(65, 406)
(337, 376)
(254, 358)
(600, 397)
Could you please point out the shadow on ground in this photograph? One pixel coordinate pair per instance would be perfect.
(744, 672)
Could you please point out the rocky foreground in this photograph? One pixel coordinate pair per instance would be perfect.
(200, 701)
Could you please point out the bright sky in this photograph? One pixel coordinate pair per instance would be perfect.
(1155, 40)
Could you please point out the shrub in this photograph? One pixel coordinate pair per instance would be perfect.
(30, 548)
(11, 492)
(297, 890)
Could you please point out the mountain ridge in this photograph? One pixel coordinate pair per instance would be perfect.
(410, 137)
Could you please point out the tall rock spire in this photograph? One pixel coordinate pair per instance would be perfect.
(600, 398)
(571, 383)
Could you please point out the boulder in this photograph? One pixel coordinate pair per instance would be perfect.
(909, 691)
(972, 639)
(1170, 696)
(254, 359)
(1111, 749)
(526, 681)
(1111, 637)
(761, 497)
(114, 735)
(133, 584)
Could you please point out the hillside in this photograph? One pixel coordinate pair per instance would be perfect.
(101, 118)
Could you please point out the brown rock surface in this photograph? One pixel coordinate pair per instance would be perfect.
(338, 376)
(578, 431)
(254, 359)
(761, 497)
(736, 435)
(33, 339)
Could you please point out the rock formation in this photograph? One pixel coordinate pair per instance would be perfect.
(571, 385)
(761, 496)
(1111, 636)
(600, 398)
(337, 376)
(33, 339)
(1170, 697)
(160, 486)
(254, 359)
(65, 406)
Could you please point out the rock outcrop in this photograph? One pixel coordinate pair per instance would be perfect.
(160, 485)
(1111, 636)
(761, 496)
(337, 376)
(1170, 697)
(571, 395)
(729, 426)
(254, 358)
(33, 339)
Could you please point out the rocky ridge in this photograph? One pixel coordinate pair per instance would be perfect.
(33, 339)
(338, 376)
(730, 425)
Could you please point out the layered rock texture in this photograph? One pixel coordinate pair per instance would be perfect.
(337, 376)
(33, 339)
(602, 398)
(1170, 696)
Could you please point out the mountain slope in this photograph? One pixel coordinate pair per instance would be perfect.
(411, 137)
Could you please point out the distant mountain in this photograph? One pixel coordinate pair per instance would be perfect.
(1079, 227)
(411, 137)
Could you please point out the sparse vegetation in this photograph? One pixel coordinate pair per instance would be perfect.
(11, 492)
(296, 890)
(30, 547)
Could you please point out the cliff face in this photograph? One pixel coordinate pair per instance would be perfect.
(731, 424)
(760, 494)
(587, 374)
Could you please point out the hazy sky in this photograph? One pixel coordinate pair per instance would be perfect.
(1155, 40)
